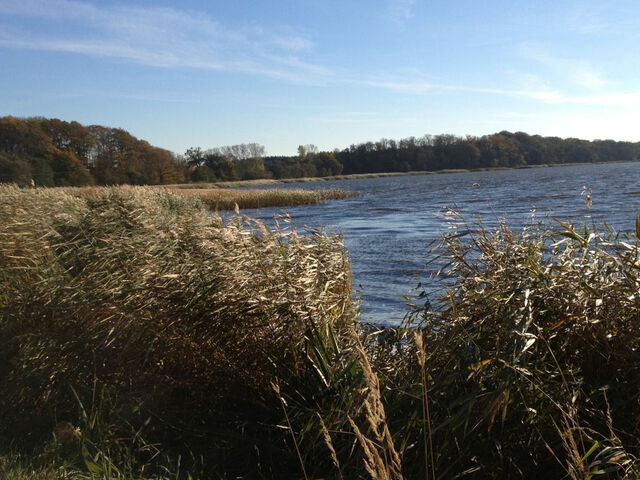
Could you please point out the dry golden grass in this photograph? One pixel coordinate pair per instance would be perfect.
(227, 199)
(380, 456)
(142, 304)
(219, 199)
(141, 317)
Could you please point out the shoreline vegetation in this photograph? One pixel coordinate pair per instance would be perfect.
(219, 199)
(355, 176)
(141, 337)
(46, 152)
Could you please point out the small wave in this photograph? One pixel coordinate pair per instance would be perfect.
(385, 209)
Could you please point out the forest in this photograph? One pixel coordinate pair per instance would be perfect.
(53, 152)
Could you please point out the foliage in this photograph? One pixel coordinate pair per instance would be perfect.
(235, 162)
(504, 149)
(533, 364)
(183, 347)
(51, 152)
(528, 364)
(308, 163)
(166, 323)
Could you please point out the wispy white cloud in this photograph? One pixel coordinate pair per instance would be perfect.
(420, 87)
(167, 37)
(527, 81)
(401, 10)
(621, 99)
(577, 72)
(629, 99)
(157, 36)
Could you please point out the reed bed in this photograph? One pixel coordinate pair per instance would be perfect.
(527, 364)
(227, 199)
(219, 199)
(531, 358)
(135, 313)
(156, 341)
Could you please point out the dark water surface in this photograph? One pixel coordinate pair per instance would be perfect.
(388, 228)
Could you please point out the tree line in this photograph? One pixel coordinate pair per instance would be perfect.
(504, 149)
(440, 152)
(52, 152)
(247, 162)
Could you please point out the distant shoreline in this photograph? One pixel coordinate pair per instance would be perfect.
(352, 176)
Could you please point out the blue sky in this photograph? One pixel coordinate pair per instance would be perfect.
(331, 73)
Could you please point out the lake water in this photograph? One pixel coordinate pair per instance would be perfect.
(388, 229)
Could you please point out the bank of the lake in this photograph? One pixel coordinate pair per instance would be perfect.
(355, 176)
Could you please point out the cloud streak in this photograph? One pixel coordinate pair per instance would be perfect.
(160, 37)
(577, 72)
(170, 38)
(421, 88)
(552, 97)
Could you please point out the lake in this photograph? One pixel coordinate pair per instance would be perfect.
(388, 229)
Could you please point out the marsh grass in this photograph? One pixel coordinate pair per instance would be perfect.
(280, 181)
(219, 199)
(227, 199)
(140, 305)
(527, 364)
(533, 366)
(159, 331)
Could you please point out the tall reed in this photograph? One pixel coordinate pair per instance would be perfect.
(171, 315)
(228, 199)
(534, 335)
(158, 330)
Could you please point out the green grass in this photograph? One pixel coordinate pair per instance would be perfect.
(182, 347)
